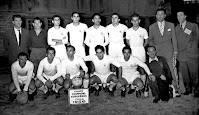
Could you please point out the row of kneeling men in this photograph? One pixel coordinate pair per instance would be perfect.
(72, 72)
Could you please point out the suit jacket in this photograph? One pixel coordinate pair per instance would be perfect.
(160, 68)
(11, 44)
(165, 44)
(187, 39)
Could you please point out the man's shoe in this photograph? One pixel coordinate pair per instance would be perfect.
(131, 91)
(105, 89)
(196, 95)
(12, 97)
(186, 93)
(66, 92)
(57, 95)
(92, 89)
(123, 93)
(156, 100)
(45, 96)
(138, 94)
(111, 93)
(30, 97)
(97, 91)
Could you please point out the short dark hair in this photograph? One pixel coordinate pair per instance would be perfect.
(99, 47)
(56, 16)
(37, 18)
(135, 15)
(151, 47)
(74, 13)
(22, 54)
(96, 14)
(161, 9)
(116, 14)
(126, 48)
(70, 46)
(182, 10)
(16, 16)
(50, 48)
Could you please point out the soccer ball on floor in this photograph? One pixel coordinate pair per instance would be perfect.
(22, 98)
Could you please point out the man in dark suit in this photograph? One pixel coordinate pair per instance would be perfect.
(162, 36)
(16, 39)
(159, 84)
(187, 35)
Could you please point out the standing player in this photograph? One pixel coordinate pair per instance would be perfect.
(137, 39)
(76, 32)
(96, 35)
(102, 73)
(130, 75)
(57, 37)
(116, 32)
(49, 74)
(71, 68)
(37, 43)
(22, 74)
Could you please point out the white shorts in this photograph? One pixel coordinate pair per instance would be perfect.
(80, 51)
(131, 77)
(23, 79)
(60, 51)
(139, 52)
(103, 78)
(115, 49)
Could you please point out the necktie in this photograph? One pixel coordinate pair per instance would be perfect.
(19, 37)
(161, 28)
(181, 26)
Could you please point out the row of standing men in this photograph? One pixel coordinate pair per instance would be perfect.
(180, 42)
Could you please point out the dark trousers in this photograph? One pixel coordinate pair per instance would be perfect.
(189, 71)
(159, 89)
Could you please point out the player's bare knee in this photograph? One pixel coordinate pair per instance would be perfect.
(12, 87)
(86, 76)
(60, 81)
(67, 84)
(32, 85)
(38, 83)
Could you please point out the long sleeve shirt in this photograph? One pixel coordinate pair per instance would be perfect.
(58, 34)
(37, 41)
(22, 74)
(73, 67)
(130, 67)
(48, 70)
(96, 37)
(102, 67)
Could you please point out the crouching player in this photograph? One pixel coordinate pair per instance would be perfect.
(49, 74)
(130, 75)
(102, 73)
(74, 70)
(22, 75)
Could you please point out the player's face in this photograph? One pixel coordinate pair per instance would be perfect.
(96, 20)
(75, 17)
(22, 60)
(126, 53)
(37, 24)
(70, 51)
(50, 54)
(160, 16)
(99, 54)
(17, 22)
(151, 52)
(56, 21)
(115, 19)
(135, 21)
(181, 17)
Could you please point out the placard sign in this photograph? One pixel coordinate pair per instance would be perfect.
(78, 96)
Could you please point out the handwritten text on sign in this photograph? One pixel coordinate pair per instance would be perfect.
(78, 96)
